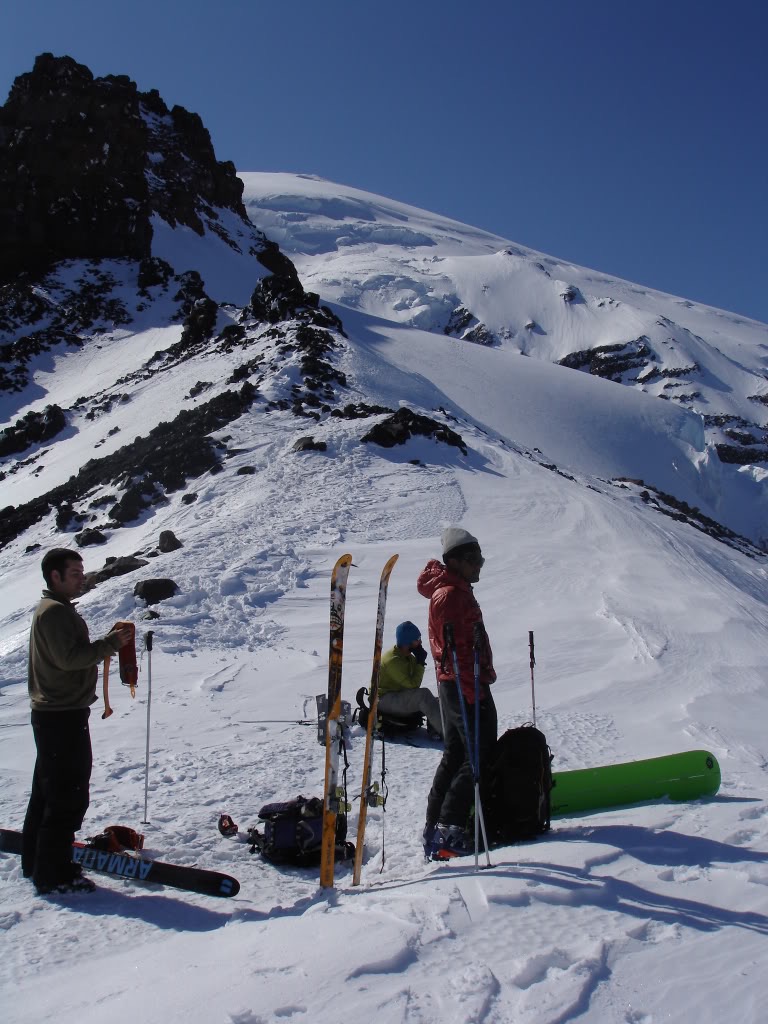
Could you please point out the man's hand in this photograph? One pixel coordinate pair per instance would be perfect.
(419, 654)
(123, 636)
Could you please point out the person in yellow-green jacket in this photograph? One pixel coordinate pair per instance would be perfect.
(400, 689)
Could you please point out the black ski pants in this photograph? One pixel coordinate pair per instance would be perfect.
(419, 701)
(453, 789)
(60, 794)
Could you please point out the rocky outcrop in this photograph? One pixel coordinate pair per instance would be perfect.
(465, 325)
(85, 162)
(405, 423)
(612, 361)
(168, 542)
(155, 591)
(309, 444)
(90, 536)
(146, 471)
(34, 428)
(87, 165)
(114, 566)
(73, 152)
(681, 511)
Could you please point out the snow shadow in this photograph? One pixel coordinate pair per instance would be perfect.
(569, 886)
(170, 913)
(665, 848)
(167, 913)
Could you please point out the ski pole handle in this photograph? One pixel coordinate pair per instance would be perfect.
(478, 634)
(148, 639)
(530, 647)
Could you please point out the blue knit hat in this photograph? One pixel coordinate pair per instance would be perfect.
(407, 634)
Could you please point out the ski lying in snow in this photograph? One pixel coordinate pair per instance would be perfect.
(369, 795)
(685, 776)
(138, 868)
(334, 737)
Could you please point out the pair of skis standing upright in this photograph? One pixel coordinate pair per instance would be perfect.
(333, 796)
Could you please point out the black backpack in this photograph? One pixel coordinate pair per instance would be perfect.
(518, 786)
(293, 833)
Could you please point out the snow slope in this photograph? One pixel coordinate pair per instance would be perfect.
(410, 268)
(651, 637)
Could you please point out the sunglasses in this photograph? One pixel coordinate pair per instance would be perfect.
(475, 558)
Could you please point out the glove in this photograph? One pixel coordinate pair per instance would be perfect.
(420, 654)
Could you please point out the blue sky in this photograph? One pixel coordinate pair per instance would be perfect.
(626, 137)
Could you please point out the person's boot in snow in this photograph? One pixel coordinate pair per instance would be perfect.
(450, 841)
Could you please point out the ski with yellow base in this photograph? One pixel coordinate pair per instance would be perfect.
(333, 798)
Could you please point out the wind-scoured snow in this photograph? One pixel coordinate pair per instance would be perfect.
(651, 637)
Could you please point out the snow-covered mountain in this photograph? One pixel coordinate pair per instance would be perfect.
(408, 373)
(410, 269)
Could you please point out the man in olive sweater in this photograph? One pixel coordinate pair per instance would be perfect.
(402, 670)
(62, 686)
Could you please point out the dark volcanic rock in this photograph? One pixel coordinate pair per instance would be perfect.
(611, 361)
(360, 411)
(90, 536)
(168, 542)
(148, 468)
(114, 567)
(309, 444)
(72, 151)
(465, 325)
(86, 305)
(404, 424)
(277, 298)
(741, 456)
(85, 162)
(154, 591)
(34, 428)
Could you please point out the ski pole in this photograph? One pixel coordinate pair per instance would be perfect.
(477, 637)
(450, 641)
(148, 641)
(533, 662)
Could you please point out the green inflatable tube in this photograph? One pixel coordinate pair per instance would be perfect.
(686, 776)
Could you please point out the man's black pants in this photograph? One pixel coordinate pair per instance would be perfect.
(452, 795)
(60, 794)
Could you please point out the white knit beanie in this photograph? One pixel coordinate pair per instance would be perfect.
(456, 537)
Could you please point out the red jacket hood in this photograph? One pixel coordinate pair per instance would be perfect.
(434, 575)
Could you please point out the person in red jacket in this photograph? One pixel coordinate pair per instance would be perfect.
(448, 585)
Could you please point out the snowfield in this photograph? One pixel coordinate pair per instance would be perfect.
(651, 638)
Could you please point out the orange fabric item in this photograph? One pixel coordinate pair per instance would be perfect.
(129, 669)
